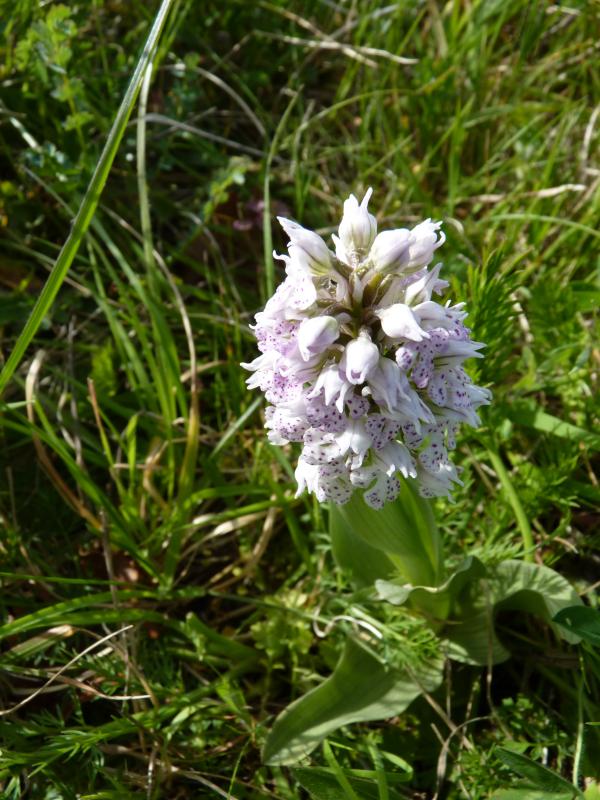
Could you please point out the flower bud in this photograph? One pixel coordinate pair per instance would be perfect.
(315, 255)
(422, 290)
(399, 322)
(404, 251)
(390, 250)
(423, 243)
(316, 334)
(360, 358)
(358, 228)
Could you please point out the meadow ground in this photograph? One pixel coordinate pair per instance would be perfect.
(163, 591)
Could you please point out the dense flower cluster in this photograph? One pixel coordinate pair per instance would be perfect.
(361, 365)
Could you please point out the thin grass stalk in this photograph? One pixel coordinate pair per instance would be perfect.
(267, 235)
(578, 755)
(145, 221)
(188, 465)
(515, 502)
(166, 372)
(339, 773)
(89, 203)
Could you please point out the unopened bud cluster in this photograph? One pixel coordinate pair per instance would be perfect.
(361, 365)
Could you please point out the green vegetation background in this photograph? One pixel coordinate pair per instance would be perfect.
(139, 499)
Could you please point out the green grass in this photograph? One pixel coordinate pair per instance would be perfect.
(162, 589)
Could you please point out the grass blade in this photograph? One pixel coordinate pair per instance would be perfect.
(89, 202)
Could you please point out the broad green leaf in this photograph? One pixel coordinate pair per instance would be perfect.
(535, 589)
(472, 639)
(473, 595)
(404, 530)
(364, 562)
(322, 784)
(509, 585)
(435, 600)
(541, 777)
(582, 621)
(361, 688)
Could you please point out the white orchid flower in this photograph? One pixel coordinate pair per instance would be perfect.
(361, 366)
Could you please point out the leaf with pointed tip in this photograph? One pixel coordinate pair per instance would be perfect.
(539, 776)
(361, 688)
(434, 600)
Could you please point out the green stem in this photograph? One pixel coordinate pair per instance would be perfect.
(515, 502)
(89, 203)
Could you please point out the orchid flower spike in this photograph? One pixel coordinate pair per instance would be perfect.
(361, 365)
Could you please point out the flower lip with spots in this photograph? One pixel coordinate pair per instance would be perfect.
(362, 365)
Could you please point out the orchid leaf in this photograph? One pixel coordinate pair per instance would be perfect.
(434, 600)
(472, 640)
(404, 530)
(364, 562)
(535, 589)
(509, 585)
(361, 688)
